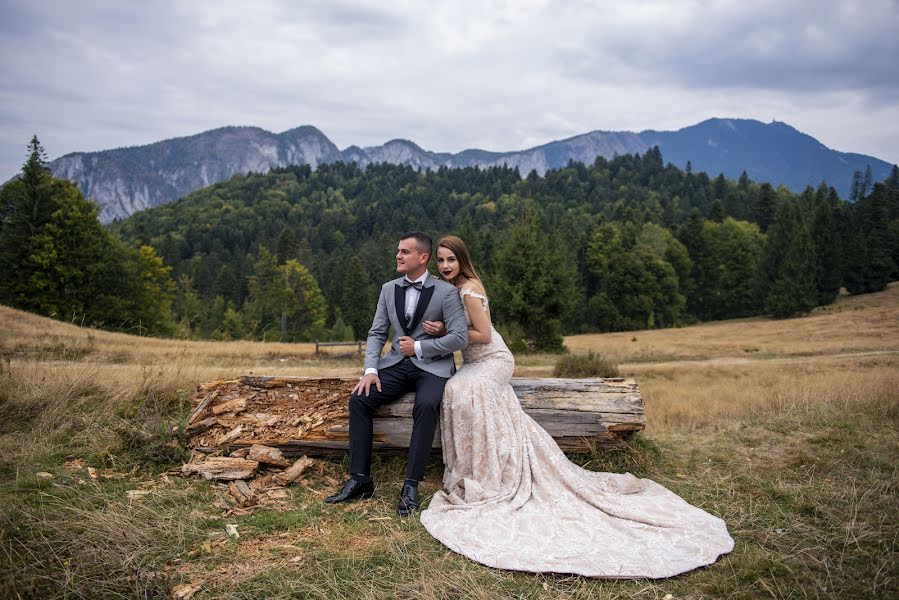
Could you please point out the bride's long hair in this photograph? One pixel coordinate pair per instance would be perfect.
(460, 250)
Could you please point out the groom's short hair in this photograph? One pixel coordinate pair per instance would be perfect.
(423, 240)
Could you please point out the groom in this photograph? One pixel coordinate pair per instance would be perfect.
(416, 361)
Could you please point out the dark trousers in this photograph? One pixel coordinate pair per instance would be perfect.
(396, 381)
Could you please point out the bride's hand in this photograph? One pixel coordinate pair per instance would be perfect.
(434, 327)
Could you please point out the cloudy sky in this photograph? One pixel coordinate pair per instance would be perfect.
(91, 75)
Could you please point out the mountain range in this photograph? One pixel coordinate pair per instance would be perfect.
(126, 180)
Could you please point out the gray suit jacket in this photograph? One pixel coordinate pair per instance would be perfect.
(439, 301)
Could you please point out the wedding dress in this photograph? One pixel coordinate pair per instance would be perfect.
(515, 501)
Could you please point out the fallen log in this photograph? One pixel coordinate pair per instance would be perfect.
(299, 415)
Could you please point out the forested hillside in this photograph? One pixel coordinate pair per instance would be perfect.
(626, 243)
(124, 181)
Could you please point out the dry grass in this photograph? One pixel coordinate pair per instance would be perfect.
(25, 336)
(852, 324)
(683, 396)
(786, 429)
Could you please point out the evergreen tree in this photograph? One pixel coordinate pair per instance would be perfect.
(187, 307)
(26, 205)
(637, 288)
(357, 299)
(703, 276)
(534, 283)
(789, 283)
(341, 330)
(287, 246)
(892, 181)
(735, 253)
(766, 206)
(855, 189)
(285, 301)
(828, 248)
(870, 262)
(867, 182)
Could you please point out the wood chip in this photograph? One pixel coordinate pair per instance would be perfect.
(241, 492)
(231, 436)
(233, 406)
(201, 407)
(222, 468)
(267, 455)
(185, 591)
(261, 482)
(294, 471)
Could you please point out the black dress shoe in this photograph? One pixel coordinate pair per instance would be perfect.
(353, 490)
(408, 500)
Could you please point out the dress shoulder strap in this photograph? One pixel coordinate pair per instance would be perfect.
(470, 292)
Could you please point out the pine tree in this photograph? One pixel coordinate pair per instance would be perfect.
(855, 188)
(187, 307)
(357, 298)
(828, 248)
(26, 205)
(870, 263)
(867, 182)
(765, 207)
(700, 295)
(286, 247)
(892, 181)
(534, 283)
(789, 281)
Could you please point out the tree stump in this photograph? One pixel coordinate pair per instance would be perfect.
(300, 415)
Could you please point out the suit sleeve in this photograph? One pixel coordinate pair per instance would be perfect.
(456, 336)
(377, 335)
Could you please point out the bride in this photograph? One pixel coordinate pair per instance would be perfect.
(514, 501)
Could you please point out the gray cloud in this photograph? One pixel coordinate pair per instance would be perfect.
(450, 75)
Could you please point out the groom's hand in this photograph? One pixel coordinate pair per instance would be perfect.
(365, 384)
(407, 346)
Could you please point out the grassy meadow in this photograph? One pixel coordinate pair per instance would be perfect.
(787, 429)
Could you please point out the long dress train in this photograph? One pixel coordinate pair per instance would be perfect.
(515, 501)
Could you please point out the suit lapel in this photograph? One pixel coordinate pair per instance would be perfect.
(423, 299)
(399, 299)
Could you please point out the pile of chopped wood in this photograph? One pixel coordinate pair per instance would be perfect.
(267, 410)
(256, 476)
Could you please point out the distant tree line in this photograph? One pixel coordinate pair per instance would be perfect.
(627, 243)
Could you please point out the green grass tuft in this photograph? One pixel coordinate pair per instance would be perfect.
(584, 365)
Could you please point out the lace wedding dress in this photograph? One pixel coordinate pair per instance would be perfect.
(515, 501)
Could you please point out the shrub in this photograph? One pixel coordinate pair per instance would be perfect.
(584, 365)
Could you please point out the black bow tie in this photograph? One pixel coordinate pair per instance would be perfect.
(416, 284)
